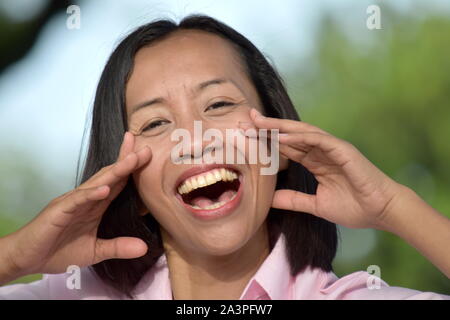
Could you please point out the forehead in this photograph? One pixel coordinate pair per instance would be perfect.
(183, 59)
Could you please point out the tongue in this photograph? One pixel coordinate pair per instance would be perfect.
(226, 196)
(204, 202)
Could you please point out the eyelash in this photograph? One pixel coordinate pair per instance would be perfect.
(220, 104)
(216, 105)
(151, 124)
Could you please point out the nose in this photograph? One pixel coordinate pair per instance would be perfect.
(197, 141)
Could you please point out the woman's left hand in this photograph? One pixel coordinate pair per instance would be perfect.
(351, 192)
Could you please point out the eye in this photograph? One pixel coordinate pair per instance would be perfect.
(219, 104)
(155, 124)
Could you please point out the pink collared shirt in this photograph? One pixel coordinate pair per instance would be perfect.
(271, 281)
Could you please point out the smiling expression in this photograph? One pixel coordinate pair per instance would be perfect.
(195, 76)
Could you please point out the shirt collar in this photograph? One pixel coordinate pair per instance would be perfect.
(272, 280)
(155, 285)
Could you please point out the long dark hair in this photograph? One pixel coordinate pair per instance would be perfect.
(311, 241)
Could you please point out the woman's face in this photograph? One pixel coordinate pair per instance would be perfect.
(218, 218)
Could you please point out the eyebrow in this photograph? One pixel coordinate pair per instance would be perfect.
(201, 86)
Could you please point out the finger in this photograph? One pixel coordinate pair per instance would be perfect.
(119, 248)
(250, 130)
(245, 125)
(284, 125)
(127, 145)
(143, 157)
(292, 153)
(126, 148)
(121, 169)
(131, 162)
(294, 200)
(306, 140)
(82, 197)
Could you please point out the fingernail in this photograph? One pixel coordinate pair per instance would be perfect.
(282, 134)
(257, 113)
(102, 187)
(126, 136)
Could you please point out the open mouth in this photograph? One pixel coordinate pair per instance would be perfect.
(210, 190)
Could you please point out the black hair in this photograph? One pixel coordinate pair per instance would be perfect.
(310, 241)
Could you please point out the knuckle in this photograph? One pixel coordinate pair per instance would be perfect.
(80, 195)
(348, 145)
(60, 198)
(106, 168)
(91, 181)
(101, 171)
(57, 199)
(99, 251)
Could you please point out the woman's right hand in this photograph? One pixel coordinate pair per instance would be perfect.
(65, 231)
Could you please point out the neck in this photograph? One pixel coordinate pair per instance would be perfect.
(205, 277)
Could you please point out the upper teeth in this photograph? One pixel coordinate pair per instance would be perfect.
(206, 179)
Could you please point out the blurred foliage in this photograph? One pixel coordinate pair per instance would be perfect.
(19, 180)
(18, 37)
(387, 92)
(24, 190)
(7, 226)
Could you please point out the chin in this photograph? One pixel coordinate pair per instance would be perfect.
(221, 242)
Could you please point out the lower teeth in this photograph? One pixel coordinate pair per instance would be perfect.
(214, 205)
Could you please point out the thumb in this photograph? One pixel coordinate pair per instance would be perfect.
(294, 200)
(119, 248)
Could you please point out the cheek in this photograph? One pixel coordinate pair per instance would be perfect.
(243, 114)
(231, 119)
(266, 190)
(145, 185)
(149, 179)
(155, 143)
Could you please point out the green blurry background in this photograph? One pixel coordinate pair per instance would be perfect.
(386, 91)
(390, 97)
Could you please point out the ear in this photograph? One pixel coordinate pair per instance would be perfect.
(284, 163)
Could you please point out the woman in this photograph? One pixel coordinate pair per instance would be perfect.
(144, 227)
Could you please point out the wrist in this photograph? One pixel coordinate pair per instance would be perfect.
(412, 219)
(398, 209)
(8, 269)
